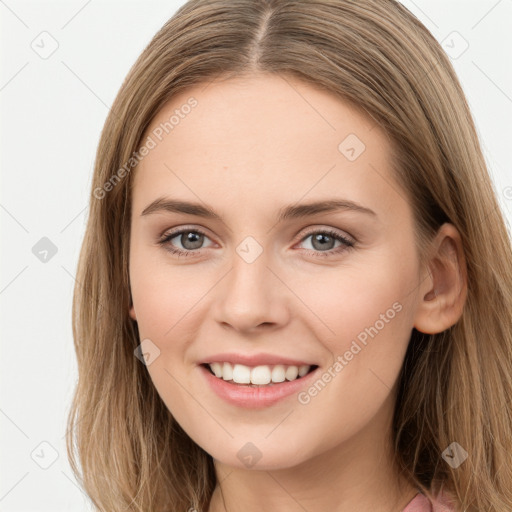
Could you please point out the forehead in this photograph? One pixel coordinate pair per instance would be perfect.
(264, 135)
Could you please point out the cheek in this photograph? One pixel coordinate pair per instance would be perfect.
(364, 311)
(163, 296)
(164, 299)
(363, 317)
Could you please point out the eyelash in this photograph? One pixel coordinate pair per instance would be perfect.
(347, 244)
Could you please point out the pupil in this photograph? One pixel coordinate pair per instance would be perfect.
(195, 239)
(318, 239)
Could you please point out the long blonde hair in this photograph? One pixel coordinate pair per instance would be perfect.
(454, 386)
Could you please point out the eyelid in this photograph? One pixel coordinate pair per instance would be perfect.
(347, 242)
(320, 228)
(178, 230)
(303, 234)
(169, 235)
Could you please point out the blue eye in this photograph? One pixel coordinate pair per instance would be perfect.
(323, 239)
(192, 242)
(194, 237)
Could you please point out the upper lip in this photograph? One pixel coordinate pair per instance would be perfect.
(254, 359)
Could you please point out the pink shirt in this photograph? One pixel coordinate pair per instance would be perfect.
(420, 503)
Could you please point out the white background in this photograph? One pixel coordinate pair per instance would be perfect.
(52, 112)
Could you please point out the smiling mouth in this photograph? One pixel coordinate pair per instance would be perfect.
(258, 376)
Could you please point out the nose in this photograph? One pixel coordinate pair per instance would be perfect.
(252, 296)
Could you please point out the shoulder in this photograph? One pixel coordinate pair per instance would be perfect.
(443, 503)
(420, 503)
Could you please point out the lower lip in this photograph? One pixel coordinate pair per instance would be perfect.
(252, 396)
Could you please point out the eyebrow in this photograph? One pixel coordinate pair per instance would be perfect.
(294, 211)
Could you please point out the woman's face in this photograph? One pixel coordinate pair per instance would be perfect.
(266, 286)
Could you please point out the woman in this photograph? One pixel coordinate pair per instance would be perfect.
(229, 357)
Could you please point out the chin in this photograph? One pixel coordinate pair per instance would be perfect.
(251, 456)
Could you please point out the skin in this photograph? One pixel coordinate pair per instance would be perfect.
(251, 146)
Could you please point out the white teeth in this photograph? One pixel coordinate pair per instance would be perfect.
(241, 374)
(278, 373)
(258, 375)
(303, 370)
(227, 371)
(217, 369)
(291, 373)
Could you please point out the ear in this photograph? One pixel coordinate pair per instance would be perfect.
(443, 293)
(132, 313)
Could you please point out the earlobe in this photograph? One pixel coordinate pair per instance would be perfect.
(444, 294)
(133, 316)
